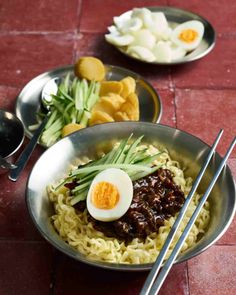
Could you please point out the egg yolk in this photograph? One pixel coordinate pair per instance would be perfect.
(105, 195)
(188, 35)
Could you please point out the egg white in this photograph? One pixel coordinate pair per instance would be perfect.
(123, 183)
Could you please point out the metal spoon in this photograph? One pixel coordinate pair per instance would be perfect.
(50, 88)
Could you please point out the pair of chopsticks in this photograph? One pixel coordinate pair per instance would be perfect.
(153, 282)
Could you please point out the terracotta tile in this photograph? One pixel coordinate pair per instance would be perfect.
(222, 17)
(168, 107)
(232, 165)
(25, 268)
(94, 44)
(75, 278)
(47, 15)
(204, 112)
(23, 56)
(176, 280)
(15, 222)
(96, 15)
(7, 97)
(216, 70)
(213, 272)
(90, 44)
(229, 238)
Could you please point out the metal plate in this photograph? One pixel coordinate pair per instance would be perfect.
(28, 102)
(178, 16)
(189, 150)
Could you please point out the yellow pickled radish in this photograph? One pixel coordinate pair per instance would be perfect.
(110, 87)
(129, 86)
(90, 68)
(70, 128)
(100, 116)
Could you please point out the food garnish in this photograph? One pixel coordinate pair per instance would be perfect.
(132, 159)
(72, 104)
(84, 99)
(110, 195)
(70, 128)
(118, 102)
(148, 36)
(155, 198)
(90, 68)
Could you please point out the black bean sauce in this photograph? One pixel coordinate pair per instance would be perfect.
(156, 198)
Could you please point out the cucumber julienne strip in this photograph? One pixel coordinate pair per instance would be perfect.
(72, 104)
(123, 157)
(142, 174)
(132, 149)
(106, 166)
(78, 198)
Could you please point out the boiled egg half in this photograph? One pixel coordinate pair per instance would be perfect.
(110, 195)
(188, 35)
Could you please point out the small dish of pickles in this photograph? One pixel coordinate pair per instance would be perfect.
(161, 35)
(89, 93)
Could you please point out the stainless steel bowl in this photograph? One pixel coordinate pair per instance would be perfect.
(187, 149)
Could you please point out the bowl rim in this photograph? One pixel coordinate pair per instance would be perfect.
(132, 267)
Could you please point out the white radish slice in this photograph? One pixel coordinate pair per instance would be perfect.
(131, 25)
(162, 51)
(142, 53)
(113, 30)
(144, 14)
(177, 53)
(119, 40)
(144, 38)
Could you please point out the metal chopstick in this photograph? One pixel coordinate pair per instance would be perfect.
(165, 270)
(157, 265)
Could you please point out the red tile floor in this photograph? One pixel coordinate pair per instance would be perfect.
(200, 98)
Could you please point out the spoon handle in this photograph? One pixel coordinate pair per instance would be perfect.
(25, 155)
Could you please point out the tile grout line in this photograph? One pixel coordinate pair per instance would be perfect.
(53, 274)
(79, 14)
(171, 87)
(175, 105)
(25, 33)
(223, 88)
(77, 31)
(189, 289)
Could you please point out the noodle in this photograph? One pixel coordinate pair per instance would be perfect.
(75, 229)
